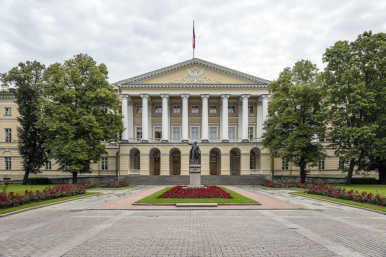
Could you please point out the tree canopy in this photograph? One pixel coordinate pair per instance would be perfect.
(356, 95)
(296, 116)
(81, 112)
(28, 79)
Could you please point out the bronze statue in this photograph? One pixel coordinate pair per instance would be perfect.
(195, 154)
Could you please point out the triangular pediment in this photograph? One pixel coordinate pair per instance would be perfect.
(194, 71)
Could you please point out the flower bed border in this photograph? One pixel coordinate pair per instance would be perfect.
(10, 200)
(238, 199)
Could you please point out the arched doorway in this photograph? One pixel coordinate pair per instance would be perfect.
(175, 161)
(254, 160)
(235, 161)
(215, 161)
(135, 161)
(155, 161)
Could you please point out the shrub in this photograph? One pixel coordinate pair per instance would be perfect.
(39, 181)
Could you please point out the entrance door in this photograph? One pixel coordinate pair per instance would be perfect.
(175, 168)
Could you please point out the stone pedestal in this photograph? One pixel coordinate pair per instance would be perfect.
(195, 175)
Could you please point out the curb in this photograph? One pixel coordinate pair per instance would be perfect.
(44, 205)
(202, 209)
(344, 204)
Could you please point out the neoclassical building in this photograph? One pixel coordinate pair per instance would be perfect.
(166, 110)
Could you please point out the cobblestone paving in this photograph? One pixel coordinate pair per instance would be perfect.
(69, 229)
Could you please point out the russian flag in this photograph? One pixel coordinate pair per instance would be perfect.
(194, 38)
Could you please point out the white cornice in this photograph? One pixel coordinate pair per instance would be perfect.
(200, 86)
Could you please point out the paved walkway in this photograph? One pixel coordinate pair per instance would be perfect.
(126, 203)
(70, 229)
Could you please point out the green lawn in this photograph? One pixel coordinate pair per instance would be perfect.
(16, 188)
(236, 198)
(381, 189)
(348, 202)
(41, 203)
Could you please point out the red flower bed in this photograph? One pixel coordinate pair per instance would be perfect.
(341, 193)
(11, 199)
(195, 192)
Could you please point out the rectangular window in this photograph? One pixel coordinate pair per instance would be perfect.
(48, 165)
(104, 163)
(251, 135)
(231, 109)
(195, 133)
(284, 164)
(195, 109)
(322, 137)
(7, 111)
(321, 165)
(176, 109)
(139, 133)
(157, 133)
(158, 109)
(8, 163)
(232, 133)
(212, 109)
(341, 163)
(8, 135)
(176, 133)
(250, 109)
(139, 109)
(213, 133)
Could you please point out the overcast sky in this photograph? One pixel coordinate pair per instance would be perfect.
(134, 37)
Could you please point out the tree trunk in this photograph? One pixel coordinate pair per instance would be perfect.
(382, 175)
(302, 172)
(349, 172)
(74, 177)
(25, 179)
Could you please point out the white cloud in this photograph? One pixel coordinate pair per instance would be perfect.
(133, 37)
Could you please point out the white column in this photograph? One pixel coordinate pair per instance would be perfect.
(145, 117)
(259, 119)
(224, 123)
(130, 115)
(204, 121)
(244, 135)
(265, 108)
(165, 118)
(185, 117)
(125, 121)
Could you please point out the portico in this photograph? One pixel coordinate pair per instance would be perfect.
(222, 109)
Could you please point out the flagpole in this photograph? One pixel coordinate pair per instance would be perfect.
(194, 40)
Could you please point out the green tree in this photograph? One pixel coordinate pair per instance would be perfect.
(356, 92)
(296, 116)
(81, 111)
(28, 79)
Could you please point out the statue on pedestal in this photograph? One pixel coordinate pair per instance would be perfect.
(195, 154)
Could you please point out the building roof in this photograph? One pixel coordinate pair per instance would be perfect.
(195, 61)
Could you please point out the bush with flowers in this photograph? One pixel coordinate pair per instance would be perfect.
(195, 192)
(11, 199)
(341, 193)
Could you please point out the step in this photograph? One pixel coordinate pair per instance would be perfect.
(196, 204)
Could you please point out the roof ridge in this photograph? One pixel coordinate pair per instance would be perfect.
(192, 61)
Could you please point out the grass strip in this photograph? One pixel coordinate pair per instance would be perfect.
(236, 199)
(110, 188)
(343, 201)
(280, 188)
(45, 202)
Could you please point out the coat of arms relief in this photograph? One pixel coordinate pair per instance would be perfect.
(195, 75)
